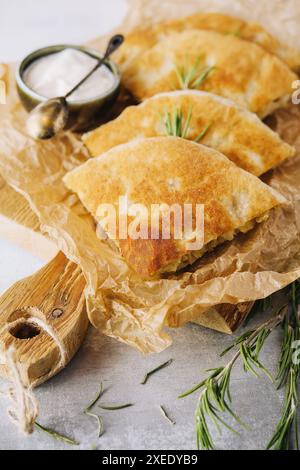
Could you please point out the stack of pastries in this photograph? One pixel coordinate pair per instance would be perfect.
(203, 84)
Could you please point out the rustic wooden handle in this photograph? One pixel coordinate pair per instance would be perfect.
(55, 295)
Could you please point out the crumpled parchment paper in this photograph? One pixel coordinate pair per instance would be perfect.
(119, 303)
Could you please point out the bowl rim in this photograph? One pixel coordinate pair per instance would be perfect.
(47, 50)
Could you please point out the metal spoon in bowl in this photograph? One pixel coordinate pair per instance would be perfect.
(50, 117)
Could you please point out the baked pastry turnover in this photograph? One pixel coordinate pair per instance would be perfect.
(233, 131)
(171, 170)
(142, 39)
(224, 65)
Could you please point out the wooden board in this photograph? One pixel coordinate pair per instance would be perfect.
(19, 224)
(52, 298)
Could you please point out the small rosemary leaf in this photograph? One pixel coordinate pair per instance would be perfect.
(260, 341)
(196, 83)
(234, 431)
(179, 120)
(203, 436)
(99, 394)
(179, 74)
(187, 74)
(202, 133)
(166, 415)
(210, 410)
(99, 421)
(213, 393)
(260, 366)
(153, 371)
(115, 407)
(56, 435)
(187, 123)
(192, 390)
(229, 348)
(245, 357)
(174, 121)
(215, 373)
(234, 33)
(237, 419)
(169, 121)
(191, 72)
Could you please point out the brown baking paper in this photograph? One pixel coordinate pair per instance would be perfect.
(119, 303)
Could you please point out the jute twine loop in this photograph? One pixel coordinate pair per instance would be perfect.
(25, 405)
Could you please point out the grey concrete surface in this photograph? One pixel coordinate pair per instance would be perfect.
(121, 370)
(23, 27)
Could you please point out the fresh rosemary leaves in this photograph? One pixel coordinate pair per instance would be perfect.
(190, 76)
(288, 375)
(166, 415)
(215, 398)
(98, 396)
(115, 407)
(56, 435)
(176, 126)
(99, 420)
(162, 366)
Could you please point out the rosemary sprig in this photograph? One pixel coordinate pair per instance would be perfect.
(153, 371)
(288, 375)
(237, 33)
(212, 402)
(176, 126)
(202, 133)
(115, 407)
(99, 422)
(288, 420)
(98, 418)
(215, 373)
(166, 415)
(215, 395)
(56, 435)
(98, 396)
(237, 341)
(190, 76)
(250, 353)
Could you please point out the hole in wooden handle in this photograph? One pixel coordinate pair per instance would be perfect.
(25, 330)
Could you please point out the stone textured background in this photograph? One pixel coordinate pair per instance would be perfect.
(25, 26)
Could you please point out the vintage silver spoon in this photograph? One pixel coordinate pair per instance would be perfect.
(50, 117)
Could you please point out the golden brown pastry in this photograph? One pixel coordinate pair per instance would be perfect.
(233, 131)
(171, 170)
(224, 65)
(142, 39)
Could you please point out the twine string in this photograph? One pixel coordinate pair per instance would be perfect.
(25, 405)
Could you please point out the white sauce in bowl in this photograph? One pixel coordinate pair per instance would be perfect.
(56, 74)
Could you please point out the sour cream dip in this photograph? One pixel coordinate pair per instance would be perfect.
(55, 74)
